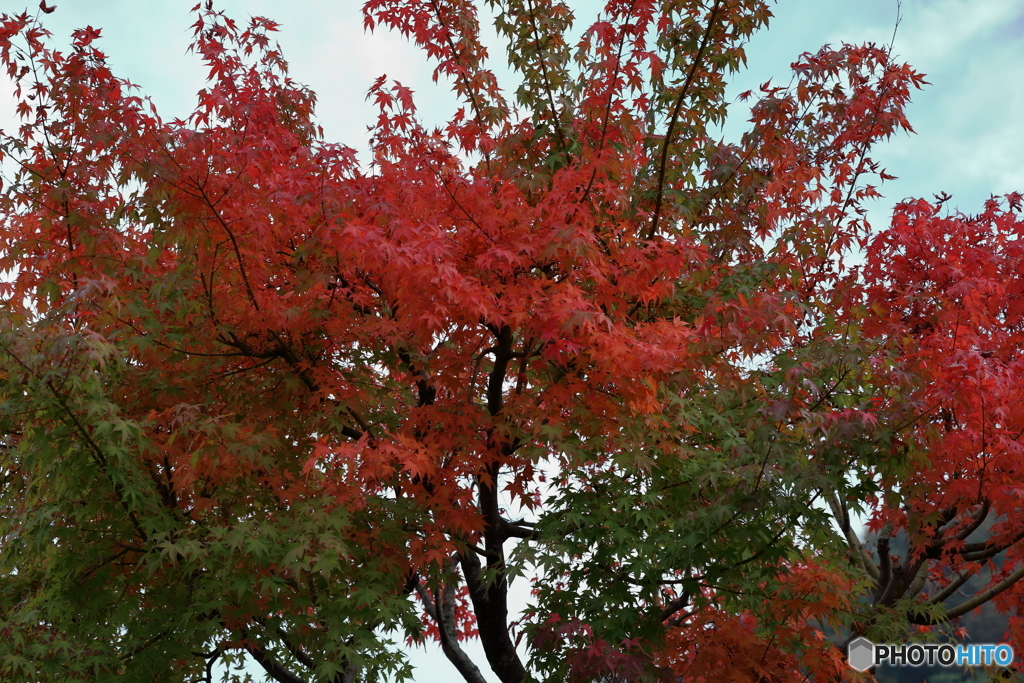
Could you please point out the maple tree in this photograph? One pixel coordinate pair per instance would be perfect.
(261, 401)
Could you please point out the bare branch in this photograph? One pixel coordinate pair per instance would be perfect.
(273, 668)
(953, 587)
(976, 601)
(859, 554)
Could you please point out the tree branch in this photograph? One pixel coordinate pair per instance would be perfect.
(502, 357)
(673, 607)
(860, 555)
(273, 668)
(953, 587)
(442, 610)
(660, 192)
(976, 601)
(490, 604)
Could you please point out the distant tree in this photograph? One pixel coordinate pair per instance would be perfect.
(260, 401)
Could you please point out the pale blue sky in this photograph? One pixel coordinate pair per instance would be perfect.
(970, 140)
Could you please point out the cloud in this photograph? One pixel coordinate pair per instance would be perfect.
(329, 50)
(949, 33)
(969, 140)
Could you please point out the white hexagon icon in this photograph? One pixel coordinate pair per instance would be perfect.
(861, 654)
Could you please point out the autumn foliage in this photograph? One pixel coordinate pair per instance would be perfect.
(263, 401)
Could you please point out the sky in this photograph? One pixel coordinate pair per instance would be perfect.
(969, 139)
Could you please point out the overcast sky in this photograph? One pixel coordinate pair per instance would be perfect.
(969, 142)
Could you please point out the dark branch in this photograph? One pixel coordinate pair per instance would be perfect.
(965, 607)
(884, 580)
(441, 608)
(502, 357)
(273, 668)
(490, 604)
(953, 587)
(660, 192)
(679, 603)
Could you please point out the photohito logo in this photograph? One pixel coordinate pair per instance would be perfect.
(863, 654)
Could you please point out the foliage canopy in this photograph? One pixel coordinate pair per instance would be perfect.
(259, 400)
